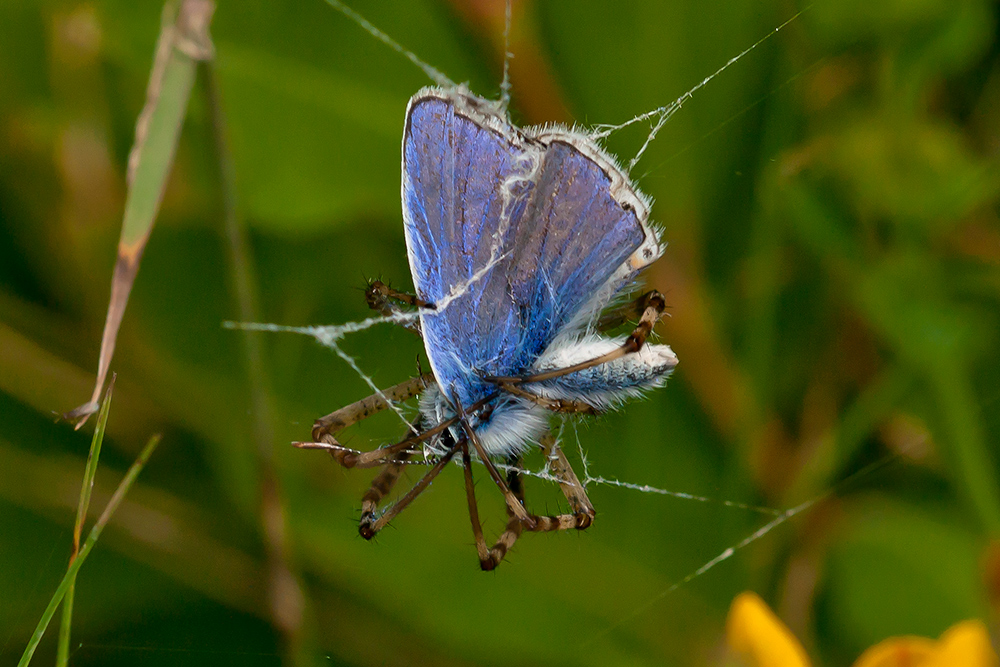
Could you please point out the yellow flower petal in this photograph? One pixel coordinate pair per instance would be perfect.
(757, 636)
(965, 644)
(898, 652)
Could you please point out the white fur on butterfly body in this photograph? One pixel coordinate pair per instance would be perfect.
(608, 385)
(515, 423)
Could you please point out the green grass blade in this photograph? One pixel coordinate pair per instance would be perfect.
(65, 625)
(62, 655)
(88, 546)
(183, 42)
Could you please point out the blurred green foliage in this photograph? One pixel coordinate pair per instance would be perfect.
(834, 280)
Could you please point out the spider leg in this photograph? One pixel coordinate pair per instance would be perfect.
(486, 560)
(379, 489)
(582, 514)
(632, 310)
(654, 306)
(554, 404)
(325, 429)
(352, 458)
(514, 504)
(576, 494)
(383, 482)
(383, 299)
(514, 525)
(397, 455)
(581, 517)
(380, 298)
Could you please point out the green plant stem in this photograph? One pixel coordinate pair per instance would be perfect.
(62, 653)
(95, 532)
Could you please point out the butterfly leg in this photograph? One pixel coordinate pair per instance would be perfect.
(653, 309)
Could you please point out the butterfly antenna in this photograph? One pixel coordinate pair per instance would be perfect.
(432, 73)
(507, 55)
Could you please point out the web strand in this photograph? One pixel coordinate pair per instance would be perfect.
(664, 113)
(507, 55)
(731, 551)
(330, 335)
(432, 73)
(728, 121)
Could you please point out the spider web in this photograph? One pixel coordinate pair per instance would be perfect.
(331, 335)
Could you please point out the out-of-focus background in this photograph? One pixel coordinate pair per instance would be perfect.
(830, 203)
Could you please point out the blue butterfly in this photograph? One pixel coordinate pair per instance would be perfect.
(519, 240)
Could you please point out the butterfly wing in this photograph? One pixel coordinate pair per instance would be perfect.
(513, 236)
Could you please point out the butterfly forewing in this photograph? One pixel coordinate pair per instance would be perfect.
(513, 234)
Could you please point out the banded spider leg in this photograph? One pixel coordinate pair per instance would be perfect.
(581, 515)
(385, 301)
(392, 458)
(325, 429)
(651, 305)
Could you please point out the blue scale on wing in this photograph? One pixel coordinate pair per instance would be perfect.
(563, 238)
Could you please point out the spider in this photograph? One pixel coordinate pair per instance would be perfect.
(518, 240)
